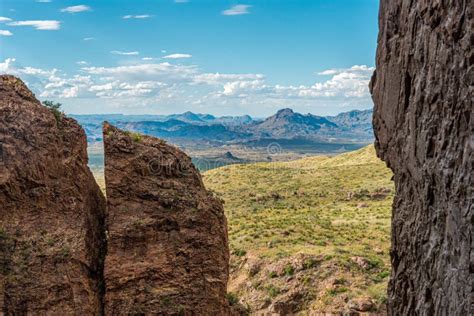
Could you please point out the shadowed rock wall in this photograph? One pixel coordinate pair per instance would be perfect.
(423, 123)
(167, 250)
(52, 213)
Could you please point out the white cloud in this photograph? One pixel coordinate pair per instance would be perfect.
(37, 71)
(82, 63)
(148, 58)
(88, 39)
(102, 87)
(181, 1)
(4, 19)
(362, 68)
(243, 88)
(6, 67)
(123, 89)
(43, 1)
(178, 56)
(142, 16)
(237, 10)
(146, 72)
(5, 33)
(151, 84)
(116, 52)
(217, 78)
(355, 68)
(43, 25)
(328, 72)
(76, 9)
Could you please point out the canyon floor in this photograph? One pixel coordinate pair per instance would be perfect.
(307, 235)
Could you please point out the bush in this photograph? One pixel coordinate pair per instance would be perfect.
(273, 291)
(289, 270)
(137, 137)
(55, 108)
(239, 252)
(232, 298)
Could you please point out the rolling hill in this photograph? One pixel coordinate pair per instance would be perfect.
(310, 235)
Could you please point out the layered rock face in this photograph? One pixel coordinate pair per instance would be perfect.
(167, 249)
(52, 213)
(423, 123)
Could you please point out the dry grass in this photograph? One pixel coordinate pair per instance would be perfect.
(330, 209)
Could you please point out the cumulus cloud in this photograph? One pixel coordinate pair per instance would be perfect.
(6, 66)
(141, 16)
(146, 72)
(238, 9)
(43, 25)
(82, 63)
(217, 78)
(355, 68)
(155, 83)
(178, 56)
(5, 33)
(76, 9)
(117, 52)
(328, 72)
(4, 19)
(88, 39)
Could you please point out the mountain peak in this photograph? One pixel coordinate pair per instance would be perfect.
(286, 111)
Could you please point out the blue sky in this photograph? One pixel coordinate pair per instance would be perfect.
(167, 56)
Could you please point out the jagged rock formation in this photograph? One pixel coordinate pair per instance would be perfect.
(423, 123)
(52, 236)
(167, 249)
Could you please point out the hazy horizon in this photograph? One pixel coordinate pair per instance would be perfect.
(206, 113)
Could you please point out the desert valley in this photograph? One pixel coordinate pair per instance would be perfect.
(223, 158)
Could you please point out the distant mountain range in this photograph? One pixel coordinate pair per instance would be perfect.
(353, 126)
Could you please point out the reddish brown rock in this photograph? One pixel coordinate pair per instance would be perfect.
(168, 251)
(52, 237)
(423, 124)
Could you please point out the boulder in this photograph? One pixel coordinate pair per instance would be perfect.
(52, 213)
(167, 235)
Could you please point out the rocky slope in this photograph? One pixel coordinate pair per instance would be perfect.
(288, 124)
(423, 124)
(52, 235)
(168, 249)
(355, 120)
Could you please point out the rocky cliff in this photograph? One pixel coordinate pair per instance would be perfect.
(167, 247)
(423, 123)
(167, 250)
(52, 235)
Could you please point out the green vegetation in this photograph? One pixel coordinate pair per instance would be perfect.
(136, 137)
(329, 215)
(55, 108)
(232, 299)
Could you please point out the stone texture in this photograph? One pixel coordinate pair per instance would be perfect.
(52, 213)
(167, 249)
(423, 123)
